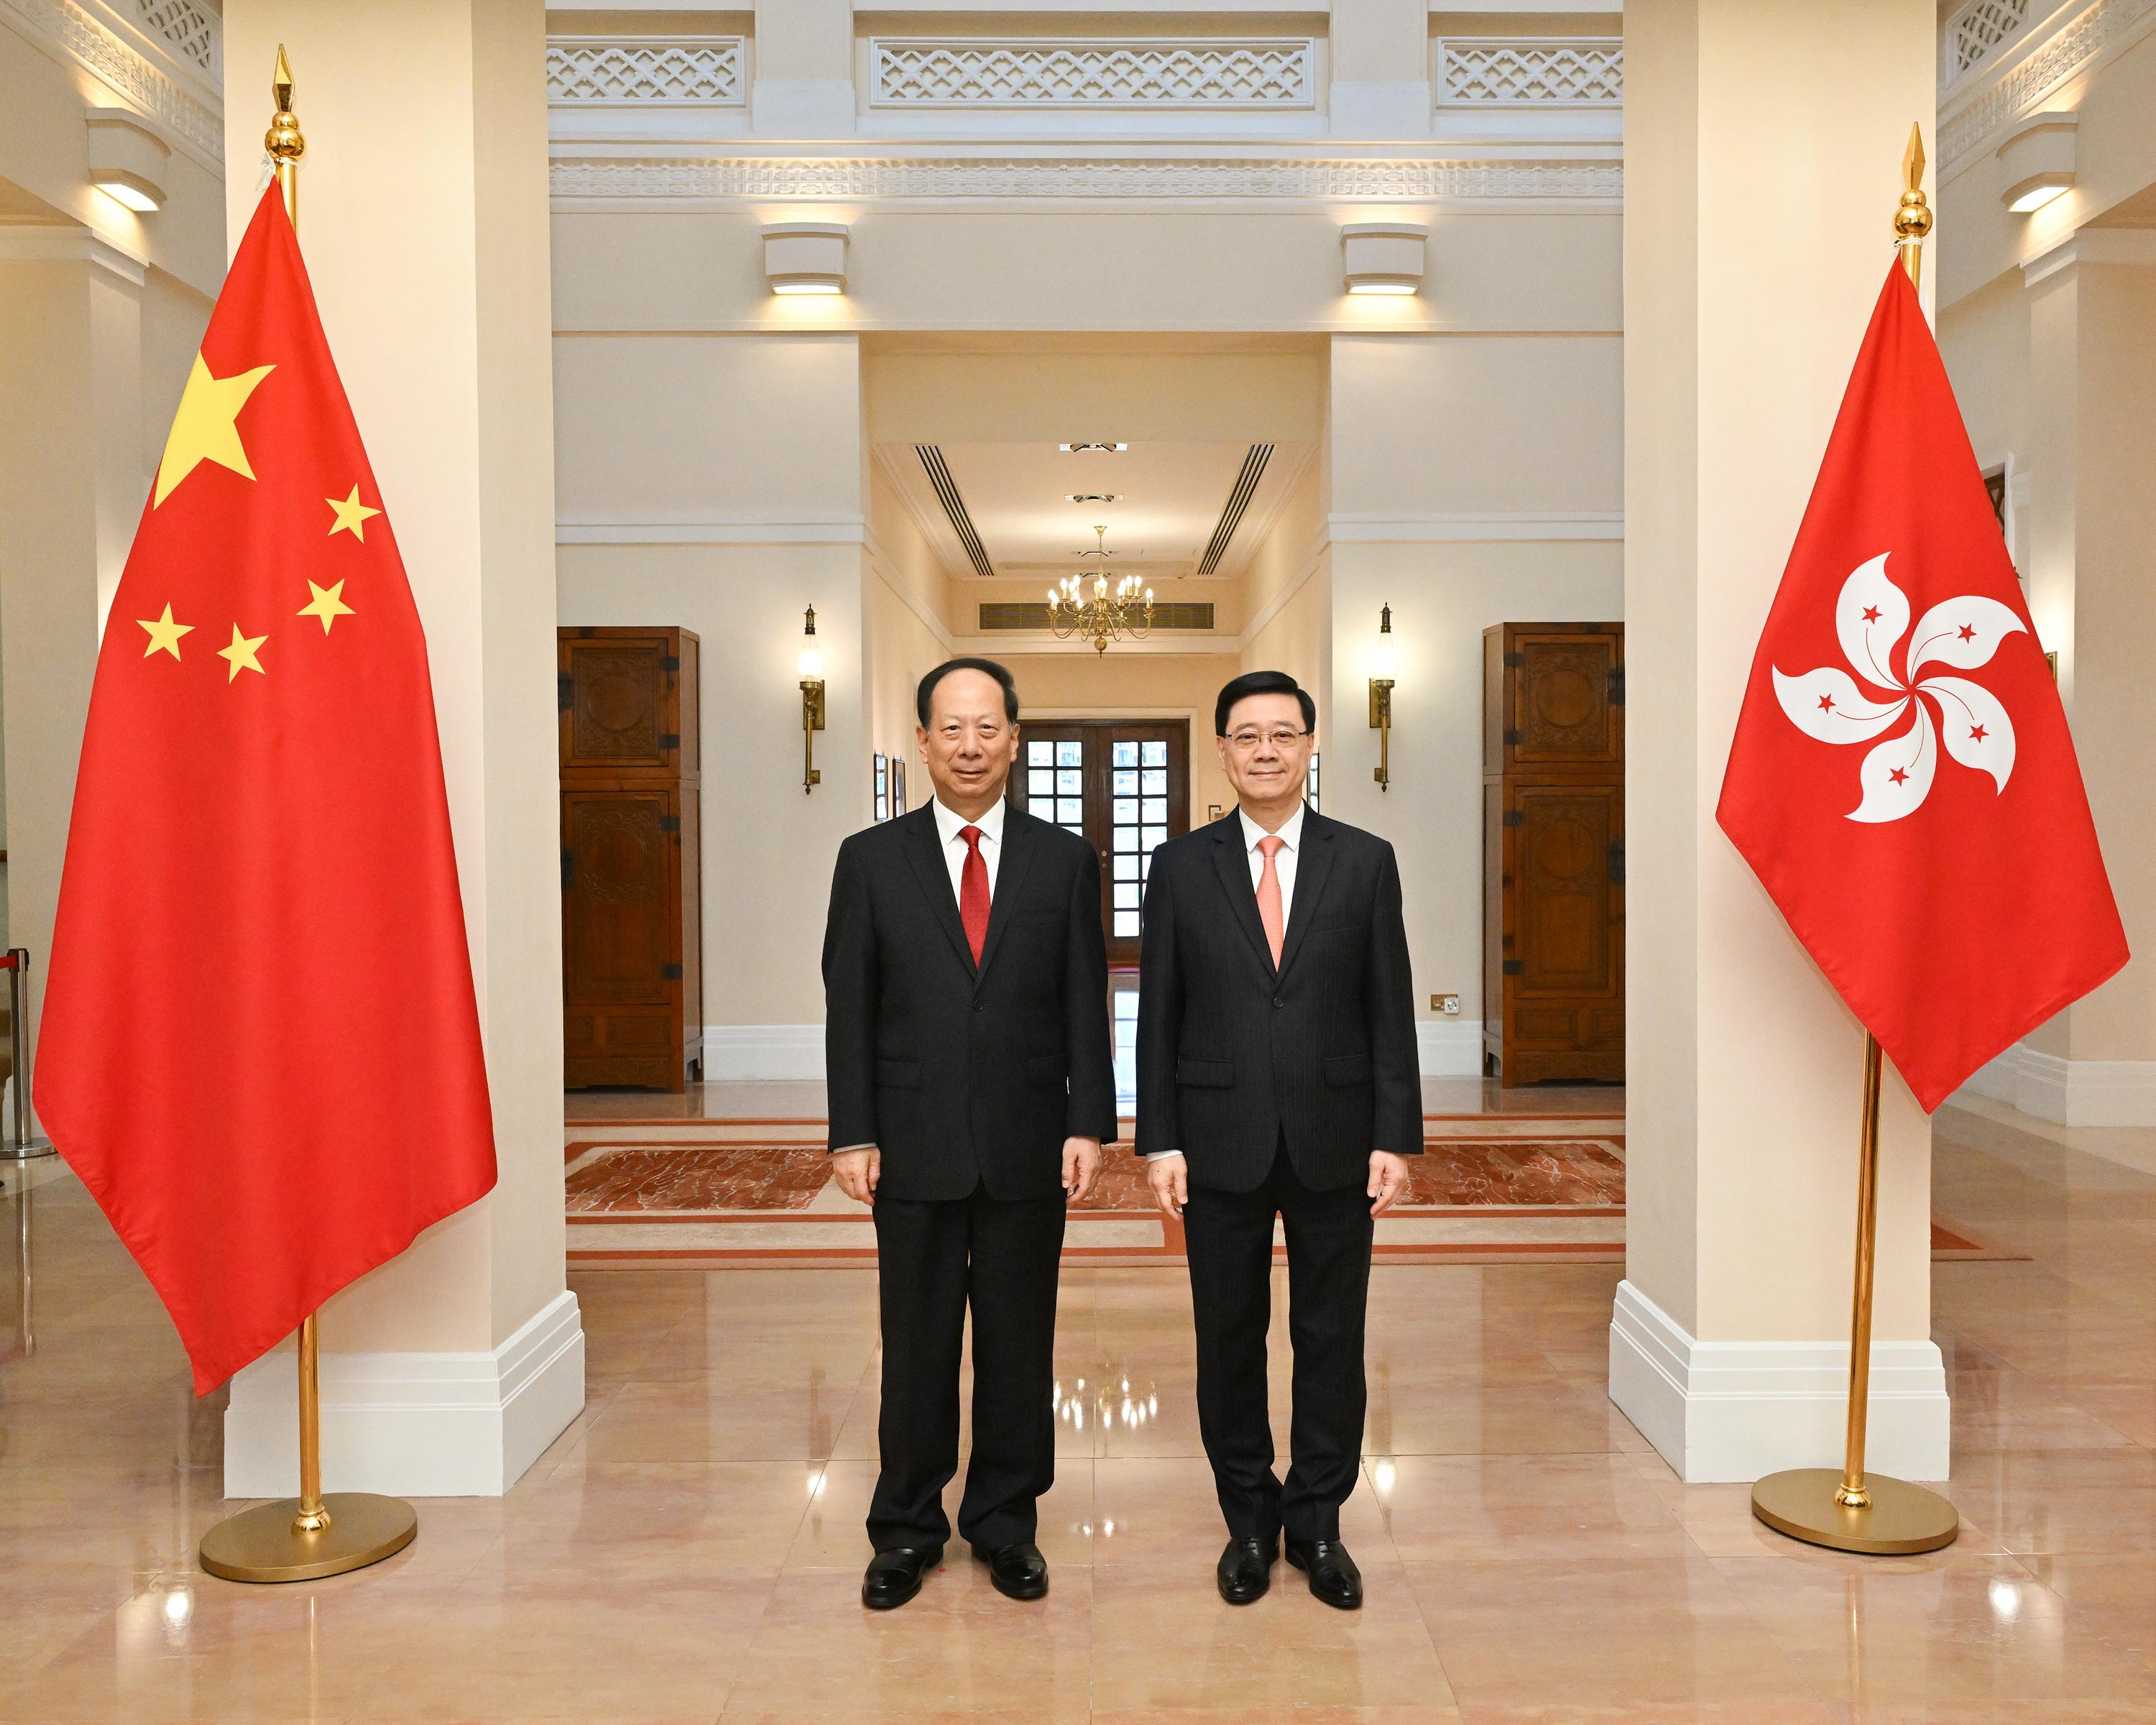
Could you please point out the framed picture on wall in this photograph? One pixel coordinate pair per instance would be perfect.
(882, 789)
(897, 787)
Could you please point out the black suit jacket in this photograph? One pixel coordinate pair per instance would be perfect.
(1235, 1057)
(964, 1076)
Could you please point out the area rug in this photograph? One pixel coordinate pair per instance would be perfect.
(1489, 1190)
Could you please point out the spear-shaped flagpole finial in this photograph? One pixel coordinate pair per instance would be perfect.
(283, 139)
(1912, 217)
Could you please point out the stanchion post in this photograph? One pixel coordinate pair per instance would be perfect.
(23, 1145)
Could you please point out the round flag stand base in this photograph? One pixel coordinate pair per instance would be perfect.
(25, 1150)
(1902, 1518)
(264, 1544)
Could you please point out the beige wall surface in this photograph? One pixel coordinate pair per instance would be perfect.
(993, 268)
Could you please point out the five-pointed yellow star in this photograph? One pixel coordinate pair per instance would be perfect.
(205, 429)
(328, 604)
(353, 513)
(164, 633)
(240, 655)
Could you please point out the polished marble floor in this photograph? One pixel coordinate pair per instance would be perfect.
(690, 1549)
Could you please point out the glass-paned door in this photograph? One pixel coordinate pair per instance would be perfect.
(1123, 786)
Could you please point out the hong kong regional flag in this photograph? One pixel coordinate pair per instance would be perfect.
(1903, 781)
(261, 1049)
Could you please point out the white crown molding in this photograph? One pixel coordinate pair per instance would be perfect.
(2033, 67)
(156, 78)
(66, 243)
(413, 1424)
(1175, 178)
(1722, 1411)
(1447, 526)
(2135, 246)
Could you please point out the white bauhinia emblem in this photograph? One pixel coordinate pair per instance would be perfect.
(1871, 617)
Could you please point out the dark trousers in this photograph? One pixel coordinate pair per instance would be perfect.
(933, 1258)
(1229, 1238)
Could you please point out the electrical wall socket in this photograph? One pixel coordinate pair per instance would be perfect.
(1449, 1004)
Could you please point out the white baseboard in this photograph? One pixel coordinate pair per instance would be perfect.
(413, 1424)
(1734, 1410)
(1449, 1048)
(2069, 1093)
(763, 1052)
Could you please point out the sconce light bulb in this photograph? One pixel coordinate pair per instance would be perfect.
(812, 663)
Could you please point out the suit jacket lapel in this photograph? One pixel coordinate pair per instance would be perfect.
(924, 854)
(1311, 867)
(1234, 864)
(1021, 838)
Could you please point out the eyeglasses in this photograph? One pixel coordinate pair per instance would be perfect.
(1243, 741)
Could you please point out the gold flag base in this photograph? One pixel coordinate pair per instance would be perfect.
(1901, 1518)
(268, 1544)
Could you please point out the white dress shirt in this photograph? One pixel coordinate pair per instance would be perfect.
(1290, 837)
(951, 827)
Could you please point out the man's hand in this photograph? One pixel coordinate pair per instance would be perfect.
(1170, 1177)
(1081, 1167)
(1388, 1178)
(857, 1172)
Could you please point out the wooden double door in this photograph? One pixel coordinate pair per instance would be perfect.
(632, 929)
(1123, 786)
(1554, 870)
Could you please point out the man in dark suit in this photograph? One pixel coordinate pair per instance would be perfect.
(1277, 1075)
(965, 1049)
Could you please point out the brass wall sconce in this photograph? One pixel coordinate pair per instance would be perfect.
(1381, 698)
(812, 704)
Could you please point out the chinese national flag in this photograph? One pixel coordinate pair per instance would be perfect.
(1901, 779)
(261, 1049)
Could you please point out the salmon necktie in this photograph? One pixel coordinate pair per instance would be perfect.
(973, 893)
(1269, 896)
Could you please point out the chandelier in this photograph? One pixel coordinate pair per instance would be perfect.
(1122, 613)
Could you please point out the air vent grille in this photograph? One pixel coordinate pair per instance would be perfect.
(954, 506)
(1238, 500)
(1033, 613)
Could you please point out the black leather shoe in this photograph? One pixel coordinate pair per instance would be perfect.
(1245, 1571)
(1334, 1576)
(894, 1576)
(1020, 1572)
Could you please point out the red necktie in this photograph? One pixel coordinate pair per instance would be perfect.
(974, 891)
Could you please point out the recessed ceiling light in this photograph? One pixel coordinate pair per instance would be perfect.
(1092, 448)
(1096, 497)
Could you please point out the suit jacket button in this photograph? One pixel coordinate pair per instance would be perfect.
(980, 1006)
(1277, 1001)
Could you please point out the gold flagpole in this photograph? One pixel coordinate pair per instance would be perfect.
(1855, 1511)
(305, 1537)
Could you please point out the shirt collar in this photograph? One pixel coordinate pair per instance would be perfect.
(949, 825)
(1290, 835)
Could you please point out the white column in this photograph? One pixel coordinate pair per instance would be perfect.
(71, 484)
(2091, 512)
(424, 216)
(1762, 150)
